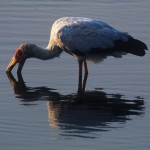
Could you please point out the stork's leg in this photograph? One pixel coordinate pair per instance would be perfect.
(85, 68)
(85, 76)
(80, 77)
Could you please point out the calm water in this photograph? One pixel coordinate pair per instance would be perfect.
(44, 111)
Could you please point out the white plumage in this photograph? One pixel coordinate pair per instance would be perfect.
(85, 38)
(83, 34)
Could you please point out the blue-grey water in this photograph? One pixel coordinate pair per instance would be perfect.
(44, 111)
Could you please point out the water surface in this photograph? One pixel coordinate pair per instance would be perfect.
(42, 110)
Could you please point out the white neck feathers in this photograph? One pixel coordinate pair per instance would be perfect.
(46, 53)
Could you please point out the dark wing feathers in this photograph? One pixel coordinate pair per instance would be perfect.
(135, 47)
(132, 46)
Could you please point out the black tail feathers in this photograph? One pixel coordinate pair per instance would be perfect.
(135, 47)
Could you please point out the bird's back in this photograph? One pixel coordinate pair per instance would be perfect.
(83, 36)
(84, 33)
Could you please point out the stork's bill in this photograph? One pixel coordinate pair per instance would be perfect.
(11, 64)
(17, 58)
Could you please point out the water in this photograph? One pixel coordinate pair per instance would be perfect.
(45, 112)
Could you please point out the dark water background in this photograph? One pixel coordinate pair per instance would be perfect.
(45, 112)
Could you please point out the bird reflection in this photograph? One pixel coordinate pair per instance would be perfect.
(80, 115)
(25, 93)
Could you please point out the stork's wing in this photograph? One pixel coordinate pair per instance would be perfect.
(86, 36)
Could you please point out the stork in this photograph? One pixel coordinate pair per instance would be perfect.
(85, 38)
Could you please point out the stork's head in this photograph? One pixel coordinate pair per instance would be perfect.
(23, 52)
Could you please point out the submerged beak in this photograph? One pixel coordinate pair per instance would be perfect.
(12, 64)
(20, 66)
(17, 58)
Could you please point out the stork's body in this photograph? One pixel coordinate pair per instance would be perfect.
(84, 38)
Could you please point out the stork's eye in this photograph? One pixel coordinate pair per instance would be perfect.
(19, 53)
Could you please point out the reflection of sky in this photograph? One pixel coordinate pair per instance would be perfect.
(23, 127)
(80, 114)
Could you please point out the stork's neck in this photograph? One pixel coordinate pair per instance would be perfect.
(46, 53)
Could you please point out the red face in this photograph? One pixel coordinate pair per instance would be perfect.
(18, 55)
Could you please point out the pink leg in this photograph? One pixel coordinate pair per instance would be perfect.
(85, 76)
(85, 67)
(80, 77)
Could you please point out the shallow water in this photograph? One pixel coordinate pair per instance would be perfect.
(41, 109)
